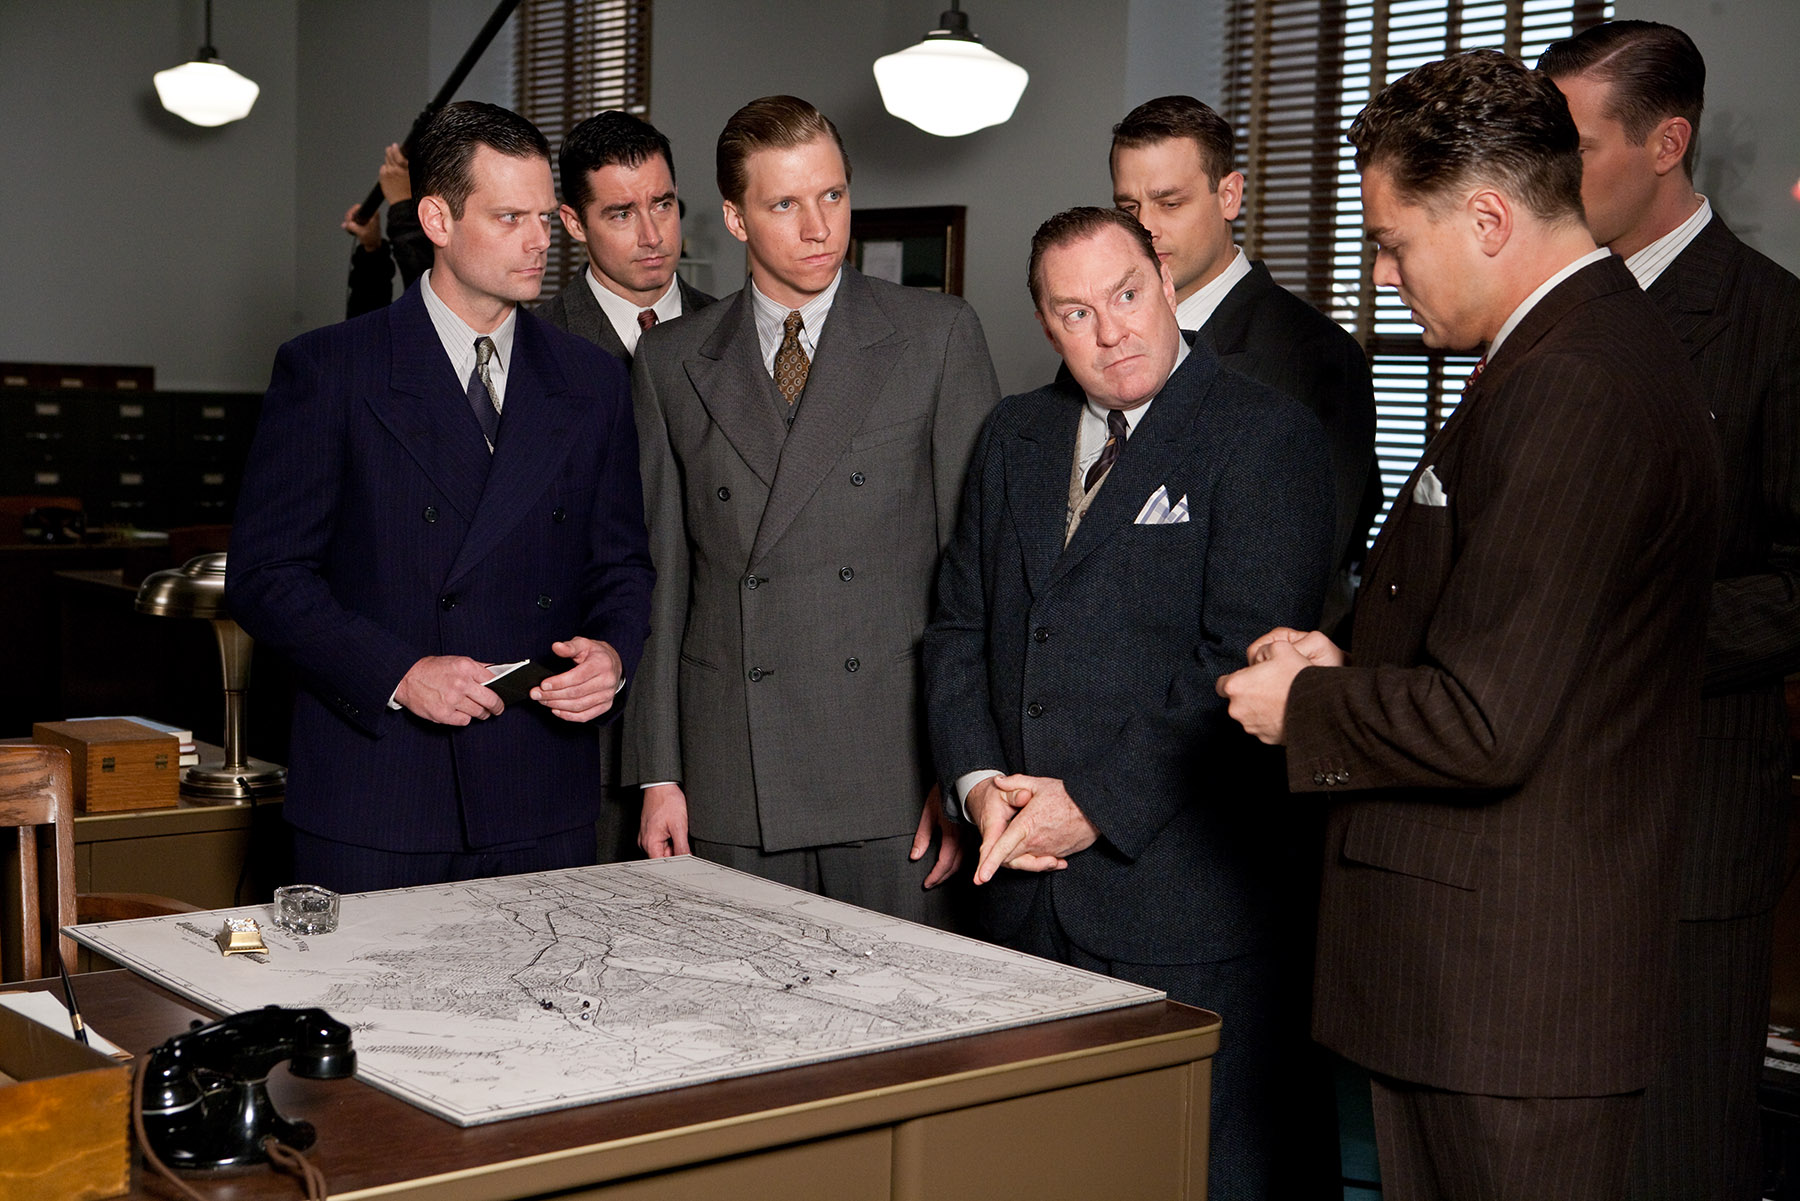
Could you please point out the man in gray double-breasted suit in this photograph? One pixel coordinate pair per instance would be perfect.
(803, 450)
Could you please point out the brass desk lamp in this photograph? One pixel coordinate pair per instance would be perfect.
(197, 589)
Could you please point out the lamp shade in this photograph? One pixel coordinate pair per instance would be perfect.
(949, 86)
(206, 92)
(196, 589)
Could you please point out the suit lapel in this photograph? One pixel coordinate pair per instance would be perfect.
(1688, 291)
(588, 320)
(1602, 278)
(427, 409)
(1037, 466)
(1143, 465)
(1227, 331)
(535, 435)
(727, 375)
(856, 354)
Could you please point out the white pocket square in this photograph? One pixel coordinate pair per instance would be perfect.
(1428, 491)
(1158, 511)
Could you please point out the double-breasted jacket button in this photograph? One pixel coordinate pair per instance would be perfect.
(430, 513)
(724, 493)
(852, 663)
(757, 673)
(1034, 710)
(447, 601)
(559, 515)
(1393, 590)
(1319, 778)
(544, 602)
(1040, 635)
(752, 583)
(845, 574)
(1343, 777)
(857, 479)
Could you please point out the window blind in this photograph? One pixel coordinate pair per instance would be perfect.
(572, 59)
(1296, 73)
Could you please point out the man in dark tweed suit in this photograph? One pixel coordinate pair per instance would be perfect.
(1635, 89)
(1513, 741)
(1124, 533)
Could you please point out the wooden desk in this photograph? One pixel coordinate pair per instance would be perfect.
(1111, 1105)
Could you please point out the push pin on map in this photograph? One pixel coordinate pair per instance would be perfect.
(241, 936)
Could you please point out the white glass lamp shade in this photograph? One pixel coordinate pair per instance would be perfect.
(949, 87)
(205, 93)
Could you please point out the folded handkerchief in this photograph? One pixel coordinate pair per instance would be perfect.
(1158, 511)
(1428, 491)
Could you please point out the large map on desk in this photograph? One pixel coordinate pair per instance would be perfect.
(498, 998)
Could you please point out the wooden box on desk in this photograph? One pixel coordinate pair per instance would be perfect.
(65, 1119)
(118, 764)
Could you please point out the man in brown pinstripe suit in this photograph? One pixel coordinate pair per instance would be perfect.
(1635, 89)
(1513, 738)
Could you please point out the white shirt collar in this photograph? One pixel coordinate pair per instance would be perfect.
(1198, 309)
(458, 338)
(1093, 416)
(1543, 290)
(1653, 259)
(770, 317)
(623, 313)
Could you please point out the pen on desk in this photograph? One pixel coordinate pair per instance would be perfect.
(69, 1000)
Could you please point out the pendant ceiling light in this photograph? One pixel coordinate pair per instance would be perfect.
(206, 91)
(950, 84)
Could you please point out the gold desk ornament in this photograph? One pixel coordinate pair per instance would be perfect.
(241, 936)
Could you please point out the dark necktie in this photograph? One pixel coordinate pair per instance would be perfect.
(646, 319)
(791, 363)
(1116, 433)
(482, 400)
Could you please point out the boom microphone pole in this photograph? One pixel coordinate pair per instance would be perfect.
(470, 57)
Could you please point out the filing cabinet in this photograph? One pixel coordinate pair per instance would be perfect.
(147, 459)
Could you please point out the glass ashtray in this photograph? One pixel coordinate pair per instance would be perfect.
(306, 909)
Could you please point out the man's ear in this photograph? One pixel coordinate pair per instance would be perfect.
(734, 221)
(1168, 286)
(572, 222)
(435, 220)
(1669, 143)
(1231, 195)
(1490, 215)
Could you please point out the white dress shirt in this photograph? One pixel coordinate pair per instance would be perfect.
(623, 313)
(458, 337)
(1198, 309)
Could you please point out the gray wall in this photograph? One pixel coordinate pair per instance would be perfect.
(135, 238)
(132, 236)
(1749, 134)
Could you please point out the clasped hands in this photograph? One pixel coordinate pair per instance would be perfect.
(453, 689)
(1029, 823)
(1259, 693)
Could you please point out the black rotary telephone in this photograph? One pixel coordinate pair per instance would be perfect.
(206, 1095)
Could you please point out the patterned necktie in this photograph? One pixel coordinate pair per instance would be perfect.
(484, 402)
(1116, 433)
(791, 363)
(1480, 366)
(646, 319)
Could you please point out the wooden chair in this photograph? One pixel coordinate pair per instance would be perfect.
(37, 800)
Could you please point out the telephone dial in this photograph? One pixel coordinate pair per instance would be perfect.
(206, 1096)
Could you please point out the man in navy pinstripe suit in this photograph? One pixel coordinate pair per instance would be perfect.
(419, 505)
(1513, 738)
